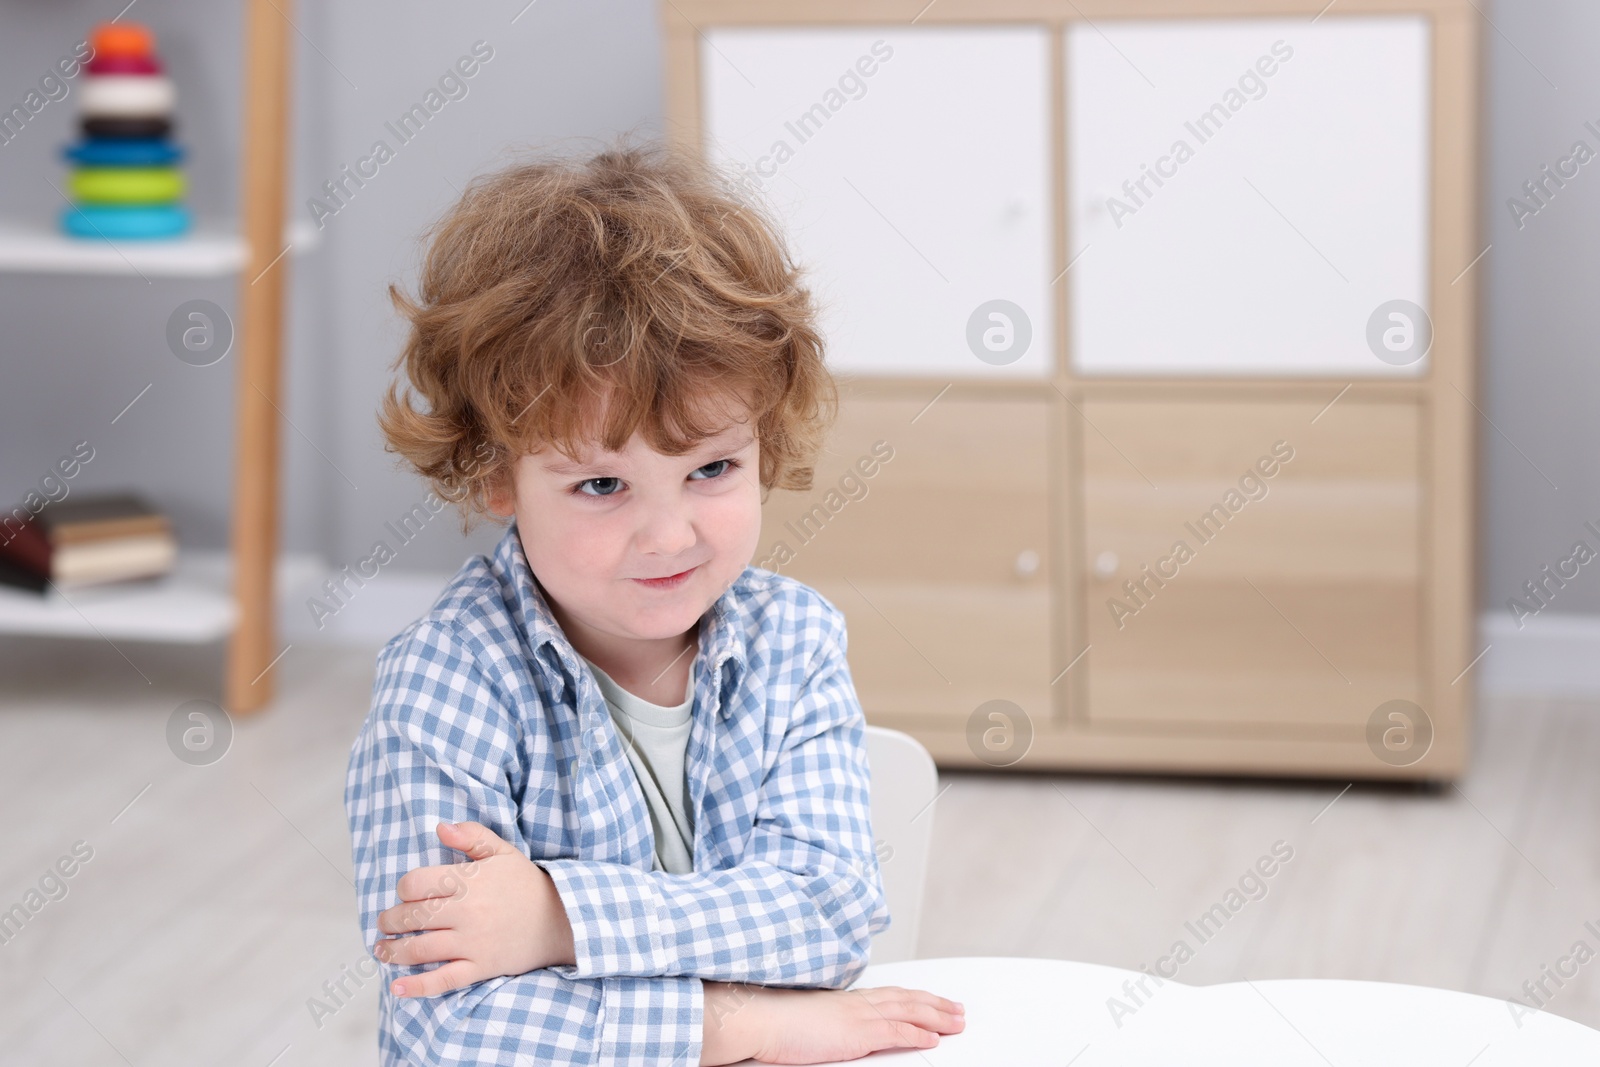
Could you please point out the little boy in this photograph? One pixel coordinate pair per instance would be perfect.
(613, 787)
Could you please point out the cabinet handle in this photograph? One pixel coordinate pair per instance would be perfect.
(1105, 565)
(1027, 564)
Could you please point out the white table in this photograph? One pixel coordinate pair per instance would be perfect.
(1023, 1011)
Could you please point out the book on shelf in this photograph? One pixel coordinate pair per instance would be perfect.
(87, 540)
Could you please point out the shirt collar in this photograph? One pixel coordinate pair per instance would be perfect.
(721, 628)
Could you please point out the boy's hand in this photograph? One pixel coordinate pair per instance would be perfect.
(782, 1025)
(499, 914)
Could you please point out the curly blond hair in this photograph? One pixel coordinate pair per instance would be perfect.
(571, 303)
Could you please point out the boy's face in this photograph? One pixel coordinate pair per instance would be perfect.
(592, 530)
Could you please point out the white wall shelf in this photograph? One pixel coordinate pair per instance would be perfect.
(193, 604)
(187, 606)
(207, 252)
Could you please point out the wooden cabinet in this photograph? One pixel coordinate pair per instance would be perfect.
(1262, 351)
(928, 525)
(1246, 567)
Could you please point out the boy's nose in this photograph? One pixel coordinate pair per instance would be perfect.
(668, 535)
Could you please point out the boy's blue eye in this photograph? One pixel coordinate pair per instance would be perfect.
(612, 485)
(727, 465)
(605, 487)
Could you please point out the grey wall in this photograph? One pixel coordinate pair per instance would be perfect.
(1540, 365)
(74, 351)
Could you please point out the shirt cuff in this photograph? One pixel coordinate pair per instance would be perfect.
(645, 1017)
(617, 919)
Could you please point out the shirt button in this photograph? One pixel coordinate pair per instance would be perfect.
(597, 738)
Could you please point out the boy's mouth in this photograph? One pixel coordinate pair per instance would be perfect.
(670, 582)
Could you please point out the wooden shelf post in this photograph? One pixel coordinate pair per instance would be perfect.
(248, 682)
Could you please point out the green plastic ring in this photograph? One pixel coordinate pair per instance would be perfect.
(127, 185)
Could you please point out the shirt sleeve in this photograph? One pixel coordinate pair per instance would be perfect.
(440, 746)
(799, 909)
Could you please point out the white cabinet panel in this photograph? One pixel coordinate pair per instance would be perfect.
(1236, 221)
(910, 166)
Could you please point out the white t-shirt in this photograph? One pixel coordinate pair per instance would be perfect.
(657, 738)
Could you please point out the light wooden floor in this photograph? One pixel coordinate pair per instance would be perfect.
(218, 900)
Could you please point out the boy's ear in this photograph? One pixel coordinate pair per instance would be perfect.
(500, 495)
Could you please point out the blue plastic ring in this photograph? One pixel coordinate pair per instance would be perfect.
(135, 153)
(93, 220)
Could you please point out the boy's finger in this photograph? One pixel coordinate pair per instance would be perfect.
(440, 980)
(423, 882)
(475, 839)
(406, 917)
(436, 946)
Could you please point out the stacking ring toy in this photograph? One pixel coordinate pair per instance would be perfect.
(117, 223)
(123, 153)
(126, 185)
(127, 129)
(128, 96)
(123, 65)
(122, 39)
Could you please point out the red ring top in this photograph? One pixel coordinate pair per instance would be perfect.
(116, 64)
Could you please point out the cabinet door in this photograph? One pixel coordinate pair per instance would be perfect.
(1248, 196)
(928, 526)
(1298, 607)
(910, 166)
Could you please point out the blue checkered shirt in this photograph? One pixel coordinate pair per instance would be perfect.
(483, 711)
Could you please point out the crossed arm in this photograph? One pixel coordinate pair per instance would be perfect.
(606, 955)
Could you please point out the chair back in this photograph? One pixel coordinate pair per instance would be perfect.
(904, 784)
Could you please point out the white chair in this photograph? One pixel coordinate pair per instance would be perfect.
(904, 784)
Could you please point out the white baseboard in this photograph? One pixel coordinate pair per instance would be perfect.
(1550, 655)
